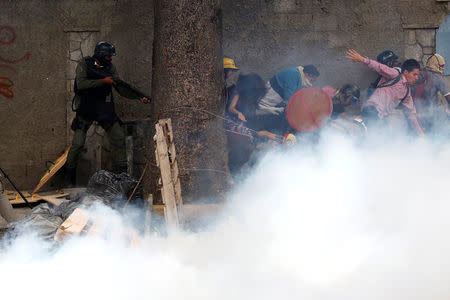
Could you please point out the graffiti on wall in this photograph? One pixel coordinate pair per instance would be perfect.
(7, 37)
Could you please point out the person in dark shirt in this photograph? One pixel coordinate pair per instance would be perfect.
(346, 100)
(428, 92)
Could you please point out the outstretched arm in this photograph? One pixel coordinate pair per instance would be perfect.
(381, 69)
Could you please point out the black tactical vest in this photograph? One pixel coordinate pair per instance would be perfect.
(93, 104)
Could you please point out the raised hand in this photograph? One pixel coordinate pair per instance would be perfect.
(354, 56)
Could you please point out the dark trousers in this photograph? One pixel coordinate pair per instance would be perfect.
(116, 136)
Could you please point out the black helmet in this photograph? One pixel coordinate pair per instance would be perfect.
(386, 57)
(103, 49)
(351, 92)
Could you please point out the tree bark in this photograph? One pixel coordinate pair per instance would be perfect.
(187, 71)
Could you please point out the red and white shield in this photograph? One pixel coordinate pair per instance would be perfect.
(309, 109)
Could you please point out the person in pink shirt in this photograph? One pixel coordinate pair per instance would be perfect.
(392, 92)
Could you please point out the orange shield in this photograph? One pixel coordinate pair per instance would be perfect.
(309, 109)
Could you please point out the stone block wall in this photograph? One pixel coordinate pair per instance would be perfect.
(420, 43)
(40, 42)
(268, 36)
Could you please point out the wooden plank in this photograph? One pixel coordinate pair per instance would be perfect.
(175, 172)
(74, 224)
(59, 162)
(167, 125)
(55, 199)
(168, 192)
(12, 195)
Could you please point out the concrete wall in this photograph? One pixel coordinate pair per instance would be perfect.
(34, 54)
(40, 40)
(265, 36)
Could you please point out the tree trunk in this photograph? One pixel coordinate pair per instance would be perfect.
(187, 71)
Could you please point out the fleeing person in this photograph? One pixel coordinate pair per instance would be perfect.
(250, 88)
(392, 92)
(244, 125)
(95, 77)
(388, 58)
(428, 92)
(346, 101)
(283, 85)
(231, 74)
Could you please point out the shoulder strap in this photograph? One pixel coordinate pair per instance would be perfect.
(390, 82)
(406, 95)
(403, 99)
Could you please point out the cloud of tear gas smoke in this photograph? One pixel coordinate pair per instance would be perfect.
(332, 222)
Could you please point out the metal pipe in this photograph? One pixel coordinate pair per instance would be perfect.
(14, 186)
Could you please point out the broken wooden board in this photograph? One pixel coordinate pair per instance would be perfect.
(167, 126)
(74, 224)
(55, 199)
(168, 188)
(57, 164)
(11, 195)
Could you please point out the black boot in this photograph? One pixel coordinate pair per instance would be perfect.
(70, 177)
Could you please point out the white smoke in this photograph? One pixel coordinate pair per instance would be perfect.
(336, 221)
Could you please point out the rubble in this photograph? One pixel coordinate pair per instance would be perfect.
(67, 217)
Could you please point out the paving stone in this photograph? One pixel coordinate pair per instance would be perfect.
(75, 55)
(75, 36)
(74, 45)
(85, 35)
(88, 45)
(428, 50)
(70, 69)
(413, 51)
(410, 37)
(426, 37)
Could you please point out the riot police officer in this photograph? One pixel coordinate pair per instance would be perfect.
(93, 101)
